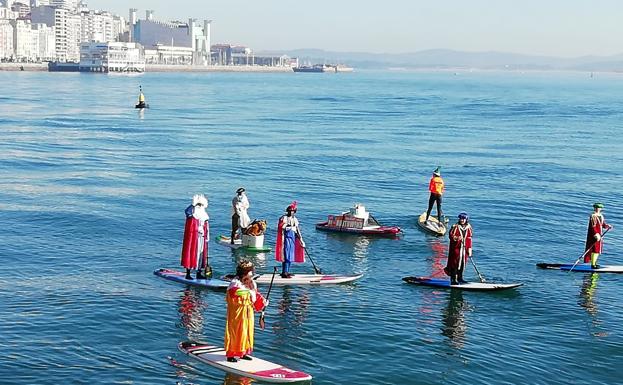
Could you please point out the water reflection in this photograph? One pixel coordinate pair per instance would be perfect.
(438, 258)
(191, 307)
(291, 313)
(453, 319)
(233, 379)
(587, 296)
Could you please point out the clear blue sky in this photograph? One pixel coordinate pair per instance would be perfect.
(543, 27)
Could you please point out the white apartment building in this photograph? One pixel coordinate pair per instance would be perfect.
(45, 38)
(6, 13)
(97, 26)
(66, 28)
(33, 42)
(22, 39)
(71, 5)
(6, 39)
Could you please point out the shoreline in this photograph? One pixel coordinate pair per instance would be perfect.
(158, 68)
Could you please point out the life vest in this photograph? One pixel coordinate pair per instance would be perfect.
(436, 185)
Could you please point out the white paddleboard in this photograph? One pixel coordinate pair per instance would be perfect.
(582, 267)
(302, 279)
(255, 368)
(307, 279)
(445, 283)
(180, 276)
(226, 241)
(432, 226)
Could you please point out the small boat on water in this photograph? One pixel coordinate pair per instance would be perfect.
(357, 221)
(318, 68)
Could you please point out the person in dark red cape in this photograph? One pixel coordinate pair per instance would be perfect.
(196, 237)
(460, 249)
(594, 241)
(290, 246)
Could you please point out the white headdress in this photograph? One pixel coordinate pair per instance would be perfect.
(200, 199)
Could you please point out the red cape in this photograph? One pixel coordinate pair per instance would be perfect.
(189, 246)
(299, 252)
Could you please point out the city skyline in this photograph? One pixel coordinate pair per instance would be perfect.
(555, 28)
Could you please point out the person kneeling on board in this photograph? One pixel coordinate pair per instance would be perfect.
(290, 245)
(243, 299)
(460, 249)
(239, 217)
(594, 241)
(141, 98)
(196, 237)
(436, 187)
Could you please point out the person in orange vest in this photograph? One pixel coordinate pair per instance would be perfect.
(594, 241)
(436, 187)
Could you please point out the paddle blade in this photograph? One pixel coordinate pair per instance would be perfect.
(262, 323)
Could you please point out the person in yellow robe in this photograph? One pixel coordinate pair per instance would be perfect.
(242, 300)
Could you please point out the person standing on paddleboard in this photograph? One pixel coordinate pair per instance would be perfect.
(243, 300)
(196, 237)
(594, 242)
(239, 217)
(436, 186)
(290, 246)
(460, 249)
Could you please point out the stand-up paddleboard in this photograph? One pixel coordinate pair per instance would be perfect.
(445, 283)
(255, 368)
(432, 226)
(226, 241)
(302, 279)
(179, 276)
(582, 267)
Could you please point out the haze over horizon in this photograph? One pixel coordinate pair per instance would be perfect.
(557, 28)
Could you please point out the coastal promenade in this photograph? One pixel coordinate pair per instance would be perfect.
(158, 68)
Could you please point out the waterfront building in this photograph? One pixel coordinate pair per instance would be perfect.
(8, 14)
(71, 5)
(45, 38)
(97, 25)
(171, 41)
(66, 27)
(239, 55)
(6, 39)
(111, 57)
(22, 9)
(22, 40)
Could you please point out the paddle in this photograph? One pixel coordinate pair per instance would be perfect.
(482, 279)
(587, 250)
(262, 323)
(316, 269)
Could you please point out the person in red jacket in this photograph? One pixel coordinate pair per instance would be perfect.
(196, 237)
(460, 249)
(594, 242)
(436, 187)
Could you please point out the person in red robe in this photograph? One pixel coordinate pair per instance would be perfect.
(196, 237)
(243, 299)
(460, 249)
(594, 240)
(290, 246)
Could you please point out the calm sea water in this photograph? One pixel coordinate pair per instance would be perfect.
(92, 198)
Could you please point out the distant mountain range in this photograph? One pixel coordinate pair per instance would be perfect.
(449, 59)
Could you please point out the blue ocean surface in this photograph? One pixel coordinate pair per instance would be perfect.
(93, 192)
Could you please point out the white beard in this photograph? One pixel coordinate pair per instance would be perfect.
(200, 214)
